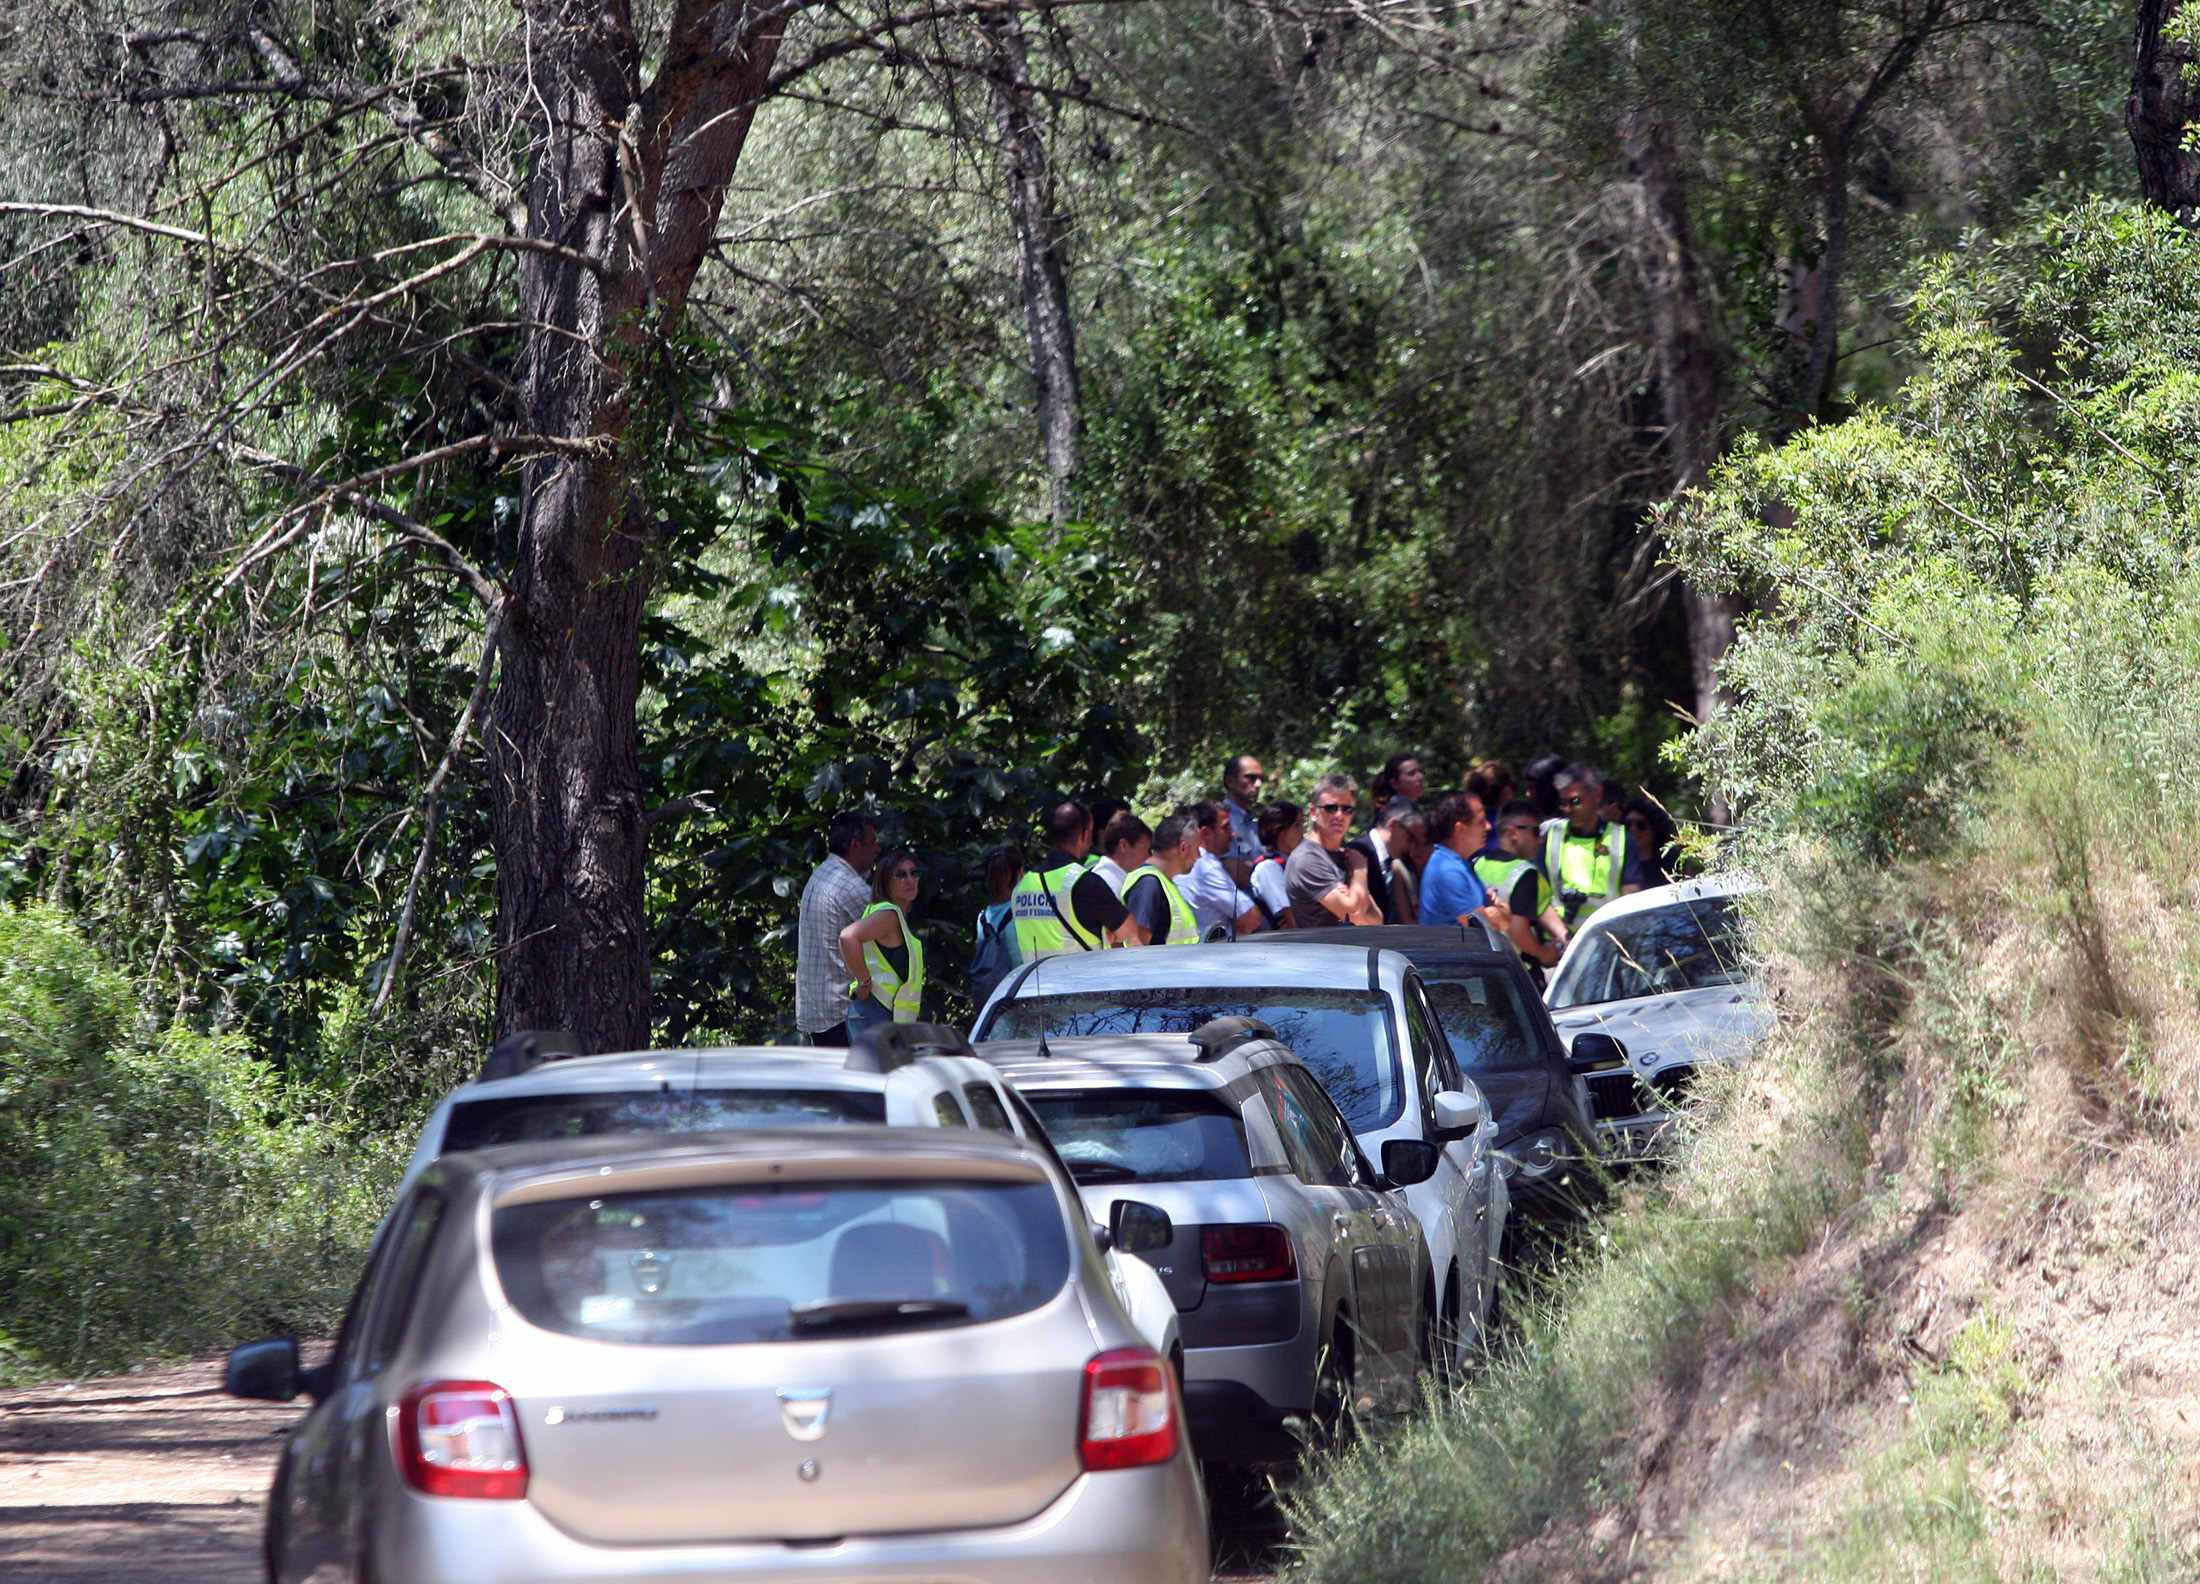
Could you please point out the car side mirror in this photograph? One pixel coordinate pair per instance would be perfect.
(1408, 1161)
(266, 1371)
(1458, 1114)
(1594, 1052)
(1102, 1238)
(1140, 1228)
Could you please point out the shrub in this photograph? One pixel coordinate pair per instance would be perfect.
(162, 1190)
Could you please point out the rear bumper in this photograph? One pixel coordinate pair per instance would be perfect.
(1124, 1526)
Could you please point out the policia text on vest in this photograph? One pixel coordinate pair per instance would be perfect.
(1045, 912)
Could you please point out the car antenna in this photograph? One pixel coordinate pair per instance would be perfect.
(1044, 1053)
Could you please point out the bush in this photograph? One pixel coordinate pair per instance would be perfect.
(162, 1190)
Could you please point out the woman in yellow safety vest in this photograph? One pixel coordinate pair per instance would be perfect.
(884, 957)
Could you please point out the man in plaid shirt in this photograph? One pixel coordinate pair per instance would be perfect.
(836, 895)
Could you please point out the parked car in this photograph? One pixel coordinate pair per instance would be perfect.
(1661, 973)
(859, 1353)
(904, 1075)
(1502, 1037)
(1296, 1267)
(1361, 1024)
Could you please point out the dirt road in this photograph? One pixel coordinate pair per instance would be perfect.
(159, 1479)
(135, 1479)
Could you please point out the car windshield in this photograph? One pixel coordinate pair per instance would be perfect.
(527, 1119)
(1682, 946)
(1483, 1017)
(1130, 1135)
(1343, 1036)
(781, 1261)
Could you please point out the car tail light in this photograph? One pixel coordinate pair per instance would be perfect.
(461, 1438)
(1129, 1419)
(1246, 1254)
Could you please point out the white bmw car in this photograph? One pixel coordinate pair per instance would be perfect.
(1662, 972)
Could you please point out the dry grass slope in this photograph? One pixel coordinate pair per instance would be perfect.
(1923, 1301)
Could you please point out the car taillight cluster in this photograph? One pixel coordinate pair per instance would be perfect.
(1130, 1414)
(1246, 1254)
(461, 1438)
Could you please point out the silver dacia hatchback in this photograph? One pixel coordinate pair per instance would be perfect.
(874, 1354)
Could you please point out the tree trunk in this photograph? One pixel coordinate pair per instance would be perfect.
(627, 186)
(1042, 237)
(1690, 384)
(2157, 114)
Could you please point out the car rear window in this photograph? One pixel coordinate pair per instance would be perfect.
(1485, 1022)
(527, 1119)
(1343, 1036)
(1684, 946)
(1130, 1135)
(782, 1262)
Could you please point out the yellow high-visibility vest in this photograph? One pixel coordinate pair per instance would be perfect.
(903, 996)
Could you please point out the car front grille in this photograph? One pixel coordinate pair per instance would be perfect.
(1672, 1086)
(1613, 1095)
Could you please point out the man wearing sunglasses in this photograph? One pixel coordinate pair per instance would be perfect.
(1584, 854)
(1242, 780)
(1321, 891)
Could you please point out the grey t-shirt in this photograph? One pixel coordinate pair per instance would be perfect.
(1310, 874)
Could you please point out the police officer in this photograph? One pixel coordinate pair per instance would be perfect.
(1537, 927)
(1584, 854)
(1061, 906)
(1150, 893)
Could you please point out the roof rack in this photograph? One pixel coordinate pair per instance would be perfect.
(524, 1051)
(892, 1046)
(1217, 1037)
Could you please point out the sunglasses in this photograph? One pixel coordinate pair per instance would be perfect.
(1333, 808)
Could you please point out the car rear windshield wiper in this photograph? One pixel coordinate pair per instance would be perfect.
(826, 1314)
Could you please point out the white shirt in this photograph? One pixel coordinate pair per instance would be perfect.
(1112, 872)
(1213, 895)
(1268, 885)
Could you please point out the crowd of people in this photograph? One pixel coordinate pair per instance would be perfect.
(1530, 856)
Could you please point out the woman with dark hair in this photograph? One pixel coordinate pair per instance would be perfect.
(884, 957)
(1651, 854)
(1401, 777)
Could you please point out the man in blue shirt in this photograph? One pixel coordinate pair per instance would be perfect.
(1451, 892)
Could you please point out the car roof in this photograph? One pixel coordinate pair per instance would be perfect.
(763, 1066)
(1223, 966)
(546, 1157)
(1706, 888)
(1144, 1061)
(1424, 945)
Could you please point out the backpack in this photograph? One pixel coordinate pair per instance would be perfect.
(996, 953)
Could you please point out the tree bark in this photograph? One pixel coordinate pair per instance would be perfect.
(1690, 374)
(630, 180)
(1042, 239)
(2158, 112)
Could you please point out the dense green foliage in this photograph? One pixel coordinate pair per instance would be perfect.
(166, 1190)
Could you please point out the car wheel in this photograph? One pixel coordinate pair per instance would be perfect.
(1332, 1418)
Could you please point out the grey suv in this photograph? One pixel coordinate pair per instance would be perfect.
(864, 1353)
(1297, 1269)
